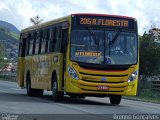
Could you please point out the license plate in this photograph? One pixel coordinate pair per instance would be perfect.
(103, 88)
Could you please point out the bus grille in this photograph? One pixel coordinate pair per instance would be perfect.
(117, 83)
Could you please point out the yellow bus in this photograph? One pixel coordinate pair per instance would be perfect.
(80, 55)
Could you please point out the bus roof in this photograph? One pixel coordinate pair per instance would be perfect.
(45, 24)
(95, 14)
(66, 18)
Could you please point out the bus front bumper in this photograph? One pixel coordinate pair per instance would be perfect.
(96, 88)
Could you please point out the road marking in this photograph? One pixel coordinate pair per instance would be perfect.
(15, 88)
(3, 91)
(74, 108)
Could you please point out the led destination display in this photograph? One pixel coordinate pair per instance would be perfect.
(104, 21)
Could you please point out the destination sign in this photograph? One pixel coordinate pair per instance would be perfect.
(91, 54)
(104, 21)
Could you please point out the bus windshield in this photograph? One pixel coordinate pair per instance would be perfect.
(104, 47)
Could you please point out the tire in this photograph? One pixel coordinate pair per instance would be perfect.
(31, 91)
(56, 95)
(73, 96)
(38, 92)
(81, 96)
(115, 99)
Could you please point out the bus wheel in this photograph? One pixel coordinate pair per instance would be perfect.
(38, 92)
(115, 99)
(81, 96)
(31, 91)
(56, 95)
(73, 96)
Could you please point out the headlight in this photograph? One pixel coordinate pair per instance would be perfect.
(72, 72)
(133, 76)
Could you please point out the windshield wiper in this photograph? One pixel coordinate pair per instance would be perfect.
(94, 37)
(115, 37)
(112, 42)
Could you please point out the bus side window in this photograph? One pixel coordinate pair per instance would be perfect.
(53, 40)
(27, 44)
(22, 46)
(50, 43)
(43, 43)
(58, 38)
(31, 44)
(34, 42)
(40, 41)
(37, 37)
(64, 40)
(47, 40)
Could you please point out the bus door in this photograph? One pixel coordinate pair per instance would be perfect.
(64, 48)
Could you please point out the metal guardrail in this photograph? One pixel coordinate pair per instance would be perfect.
(155, 85)
(8, 75)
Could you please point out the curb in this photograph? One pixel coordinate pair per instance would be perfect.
(1, 79)
(140, 99)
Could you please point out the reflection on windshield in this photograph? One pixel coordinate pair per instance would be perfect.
(122, 51)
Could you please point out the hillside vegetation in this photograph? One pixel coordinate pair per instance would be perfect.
(9, 37)
(9, 26)
(14, 35)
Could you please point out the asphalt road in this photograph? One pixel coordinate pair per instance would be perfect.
(14, 101)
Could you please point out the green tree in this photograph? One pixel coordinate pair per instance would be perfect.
(2, 55)
(149, 56)
(5, 30)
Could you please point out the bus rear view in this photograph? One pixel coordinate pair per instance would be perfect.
(103, 56)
